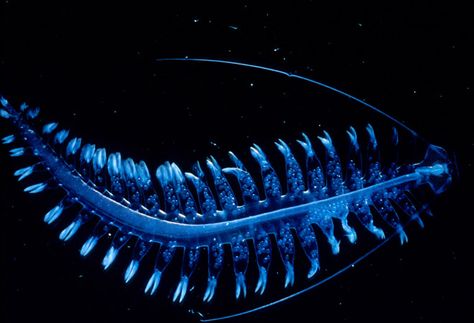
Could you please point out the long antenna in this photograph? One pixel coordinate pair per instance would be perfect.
(291, 75)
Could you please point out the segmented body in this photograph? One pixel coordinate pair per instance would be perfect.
(201, 213)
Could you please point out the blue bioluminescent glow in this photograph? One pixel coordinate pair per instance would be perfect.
(199, 211)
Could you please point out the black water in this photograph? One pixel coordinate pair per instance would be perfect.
(93, 69)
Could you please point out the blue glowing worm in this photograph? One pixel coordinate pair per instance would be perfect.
(198, 211)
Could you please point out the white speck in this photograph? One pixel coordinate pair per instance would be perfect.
(414, 91)
(195, 20)
(252, 85)
(233, 27)
(276, 49)
(359, 25)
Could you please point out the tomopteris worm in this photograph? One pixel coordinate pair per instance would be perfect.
(198, 212)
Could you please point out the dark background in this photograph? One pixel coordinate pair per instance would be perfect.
(93, 67)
